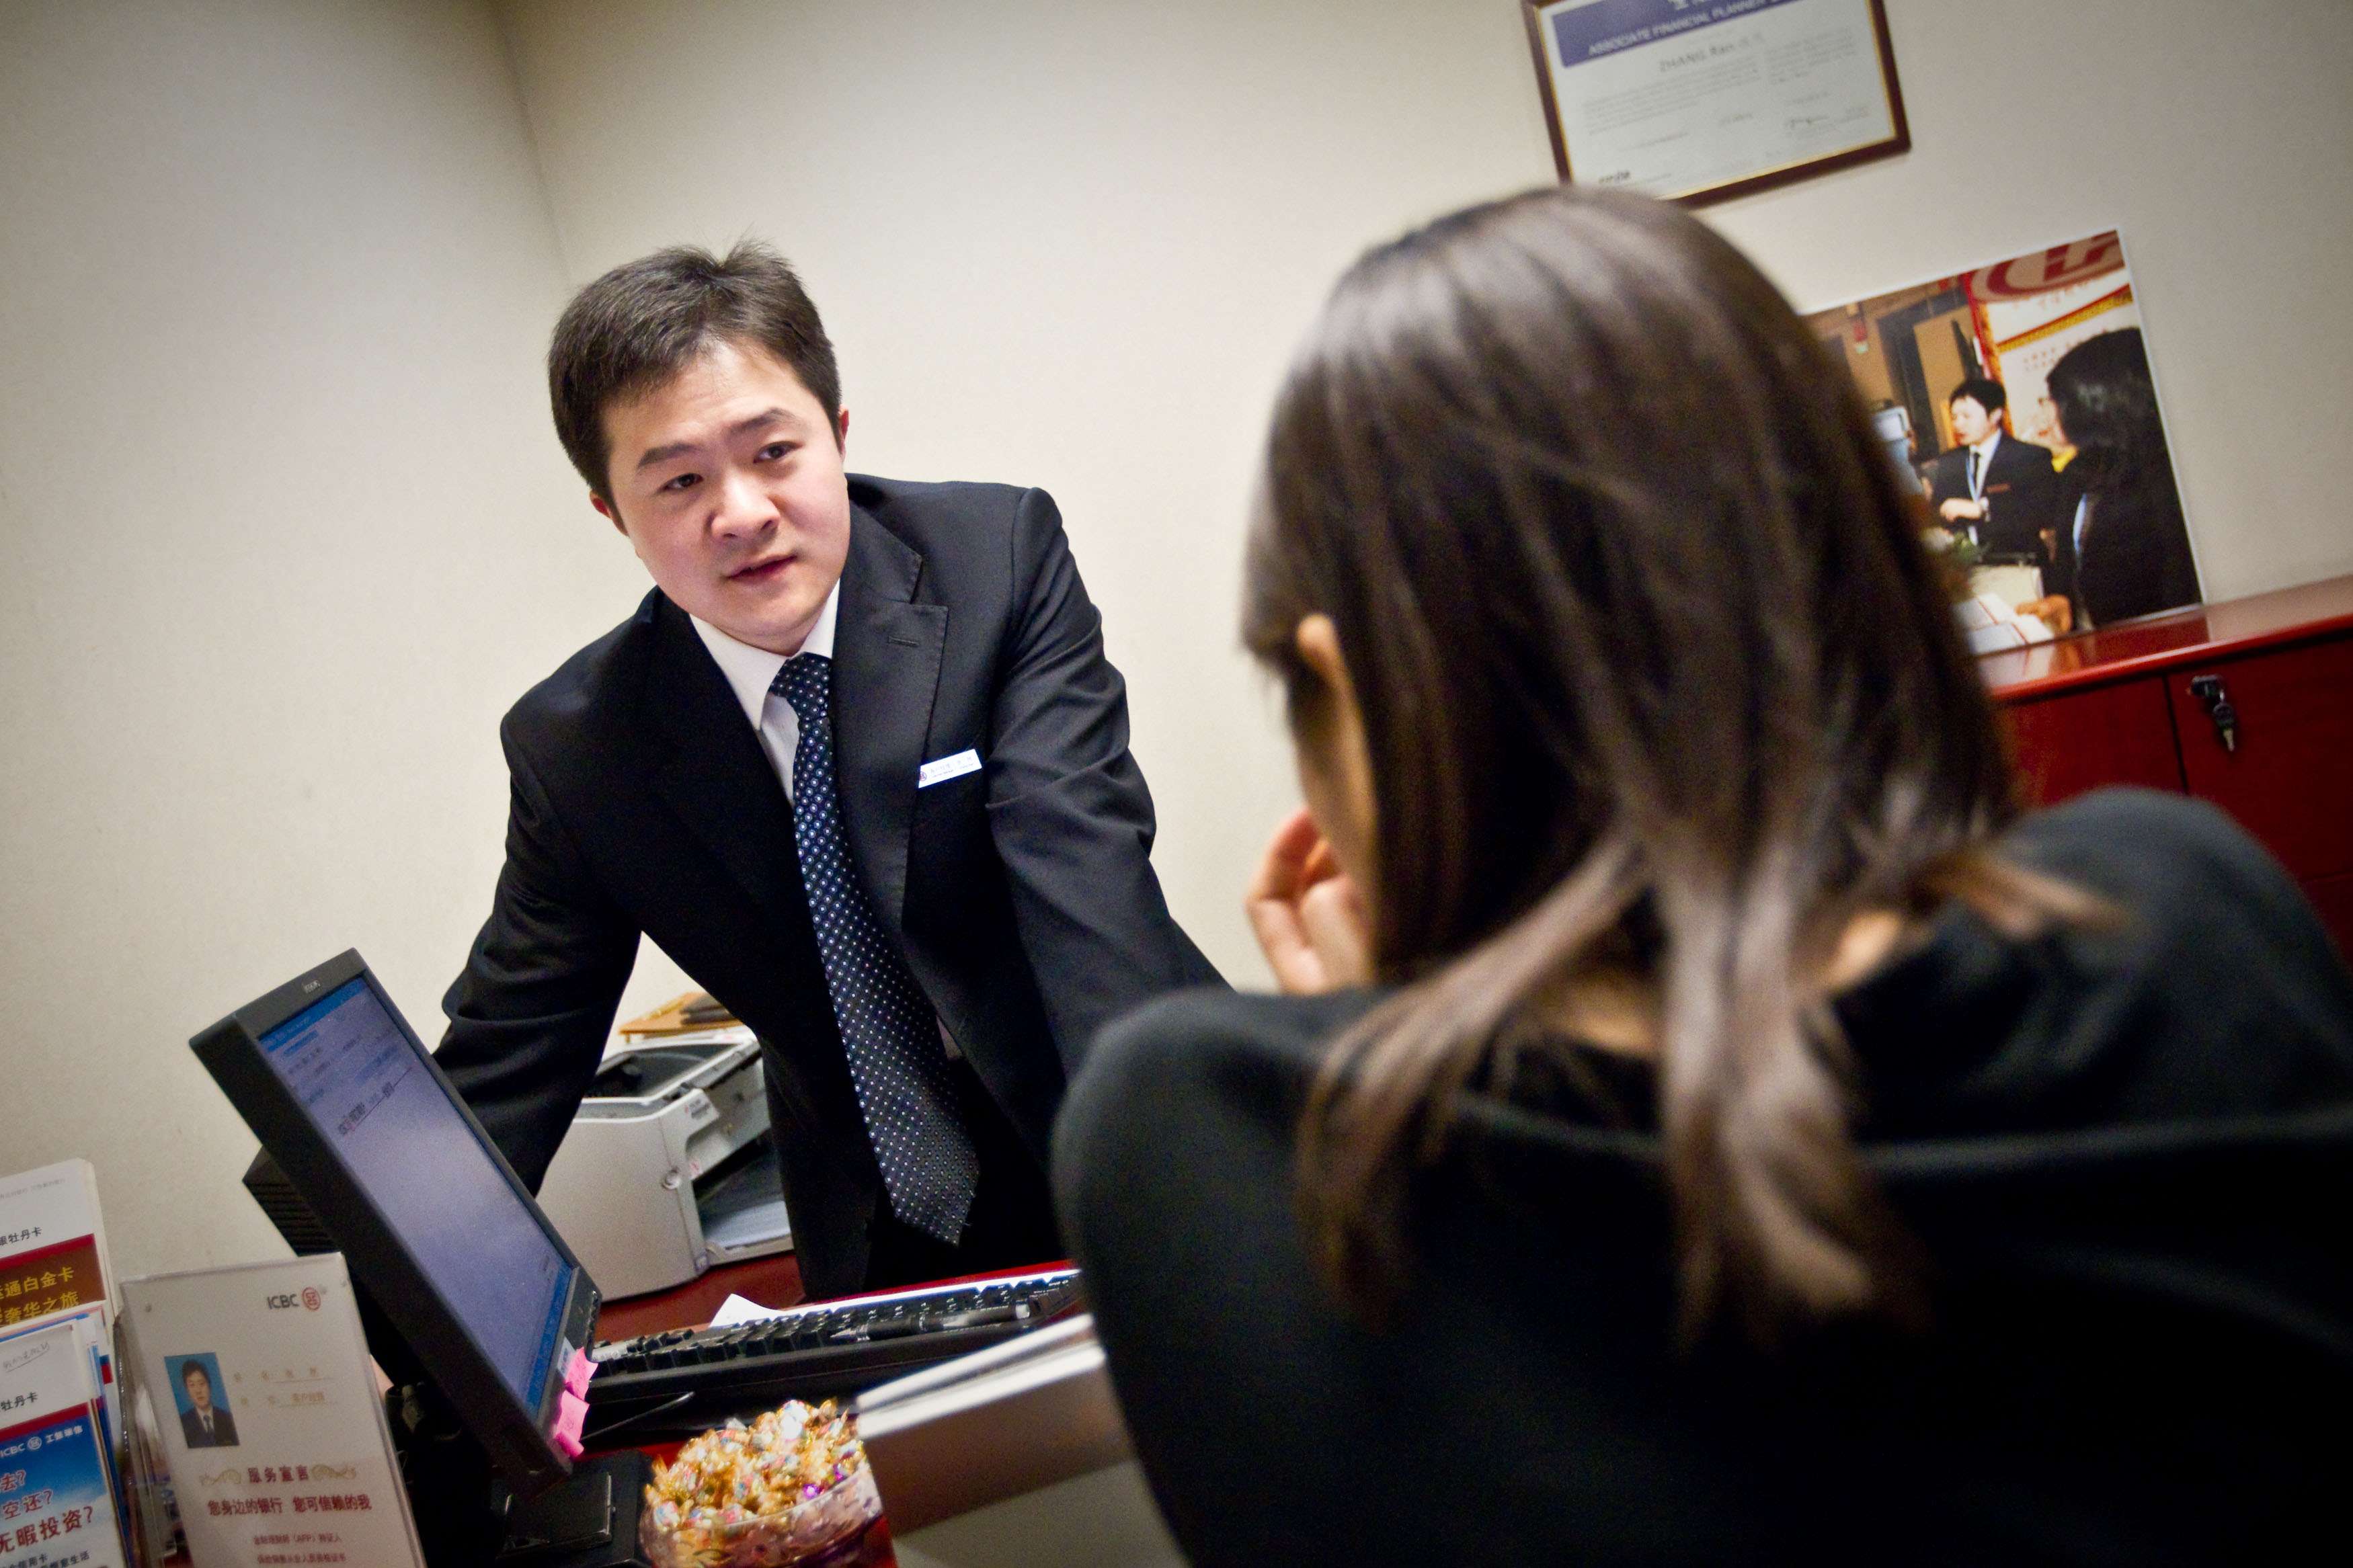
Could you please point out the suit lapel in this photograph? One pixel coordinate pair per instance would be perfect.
(886, 672)
(712, 773)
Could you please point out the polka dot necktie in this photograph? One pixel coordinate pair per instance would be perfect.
(897, 1063)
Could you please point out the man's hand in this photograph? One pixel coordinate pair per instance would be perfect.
(1308, 916)
(1960, 509)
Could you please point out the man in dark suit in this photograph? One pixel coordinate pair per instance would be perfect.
(1992, 485)
(205, 1424)
(858, 764)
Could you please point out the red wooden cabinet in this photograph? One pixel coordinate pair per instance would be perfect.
(2137, 704)
(2120, 734)
(2289, 778)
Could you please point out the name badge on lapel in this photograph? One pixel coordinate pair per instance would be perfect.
(946, 768)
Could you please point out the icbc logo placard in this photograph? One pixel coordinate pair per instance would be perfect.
(311, 1297)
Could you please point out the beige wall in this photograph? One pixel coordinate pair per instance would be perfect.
(288, 530)
(284, 536)
(1070, 243)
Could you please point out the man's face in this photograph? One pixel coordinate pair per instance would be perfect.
(1971, 421)
(728, 482)
(200, 1387)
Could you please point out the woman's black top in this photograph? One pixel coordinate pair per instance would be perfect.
(2127, 1153)
(2135, 557)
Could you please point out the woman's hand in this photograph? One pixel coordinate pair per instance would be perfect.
(1309, 918)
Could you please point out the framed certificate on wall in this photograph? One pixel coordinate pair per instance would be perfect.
(1698, 100)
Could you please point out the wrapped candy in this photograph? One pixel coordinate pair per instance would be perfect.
(792, 1488)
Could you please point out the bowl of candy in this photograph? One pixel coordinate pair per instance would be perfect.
(792, 1488)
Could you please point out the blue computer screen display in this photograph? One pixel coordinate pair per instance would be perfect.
(381, 1109)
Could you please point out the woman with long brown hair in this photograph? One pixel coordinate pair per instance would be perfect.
(1711, 1124)
(2125, 535)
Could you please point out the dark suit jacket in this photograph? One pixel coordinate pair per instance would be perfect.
(2127, 1152)
(223, 1435)
(1022, 894)
(2020, 493)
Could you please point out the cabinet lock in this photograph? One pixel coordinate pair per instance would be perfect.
(2209, 690)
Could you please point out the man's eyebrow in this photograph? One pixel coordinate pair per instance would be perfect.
(664, 454)
(680, 448)
(765, 417)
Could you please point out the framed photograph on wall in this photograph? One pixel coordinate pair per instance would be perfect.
(2018, 400)
(1698, 100)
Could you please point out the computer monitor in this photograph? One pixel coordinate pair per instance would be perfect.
(434, 1226)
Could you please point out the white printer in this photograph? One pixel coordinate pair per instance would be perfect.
(669, 1167)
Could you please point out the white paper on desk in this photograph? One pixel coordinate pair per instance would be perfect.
(742, 1310)
(302, 1470)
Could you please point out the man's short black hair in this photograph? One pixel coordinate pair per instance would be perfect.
(645, 322)
(1986, 390)
(196, 1369)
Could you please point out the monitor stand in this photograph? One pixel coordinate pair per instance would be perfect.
(467, 1517)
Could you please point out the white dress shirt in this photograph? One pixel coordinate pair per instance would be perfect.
(750, 671)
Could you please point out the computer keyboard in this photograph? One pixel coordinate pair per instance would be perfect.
(685, 1378)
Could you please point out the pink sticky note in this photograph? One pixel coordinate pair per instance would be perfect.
(571, 1411)
(578, 1373)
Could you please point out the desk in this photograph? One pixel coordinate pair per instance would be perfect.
(773, 1281)
(1102, 1519)
(2119, 706)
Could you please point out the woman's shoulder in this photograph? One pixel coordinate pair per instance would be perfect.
(2207, 913)
(2171, 818)
(2207, 987)
(1225, 1021)
(2176, 864)
(1202, 1052)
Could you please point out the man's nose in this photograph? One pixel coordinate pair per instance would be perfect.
(743, 507)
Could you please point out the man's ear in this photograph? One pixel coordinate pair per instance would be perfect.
(841, 429)
(605, 510)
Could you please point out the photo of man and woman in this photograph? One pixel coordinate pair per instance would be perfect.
(2019, 396)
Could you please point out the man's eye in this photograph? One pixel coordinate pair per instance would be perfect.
(775, 451)
(684, 483)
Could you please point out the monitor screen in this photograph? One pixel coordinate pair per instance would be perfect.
(388, 1119)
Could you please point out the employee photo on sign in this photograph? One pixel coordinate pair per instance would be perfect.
(206, 1421)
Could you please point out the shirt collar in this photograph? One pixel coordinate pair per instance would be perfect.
(1984, 448)
(750, 671)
